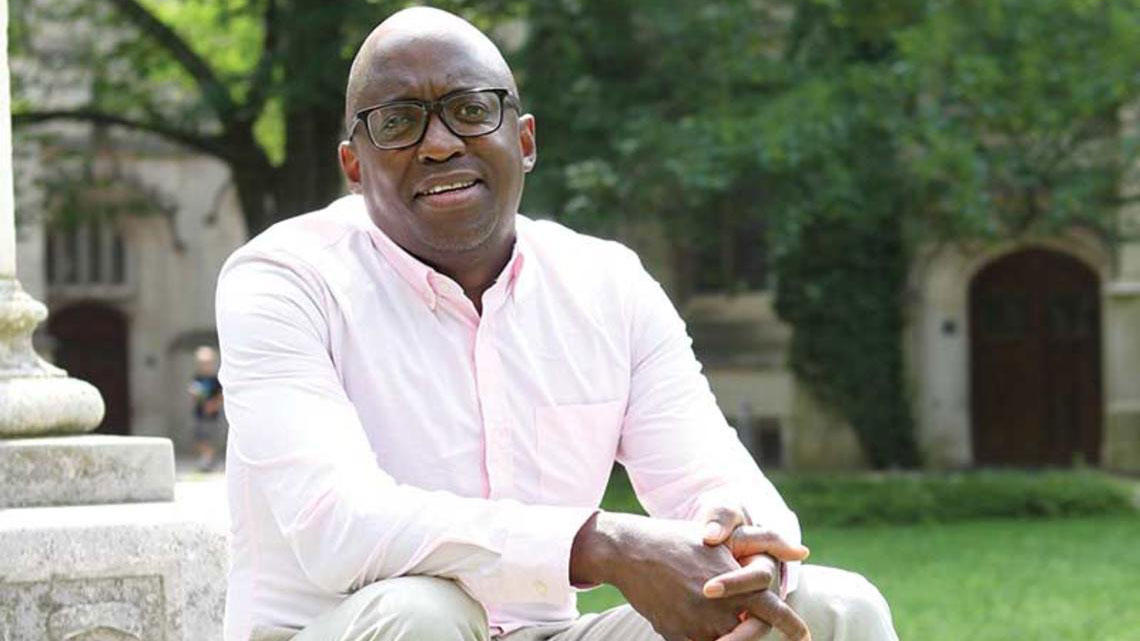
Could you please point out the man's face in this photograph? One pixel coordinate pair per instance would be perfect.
(395, 184)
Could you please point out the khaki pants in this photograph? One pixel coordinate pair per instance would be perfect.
(837, 606)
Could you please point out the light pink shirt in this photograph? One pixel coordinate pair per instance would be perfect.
(380, 427)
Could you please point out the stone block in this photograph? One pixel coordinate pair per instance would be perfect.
(133, 572)
(82, 470)
(820, 439)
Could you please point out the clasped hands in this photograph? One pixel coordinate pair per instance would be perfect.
(758, 551)
(694, 581)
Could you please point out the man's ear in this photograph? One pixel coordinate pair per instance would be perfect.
(527, 142)
(350, 165)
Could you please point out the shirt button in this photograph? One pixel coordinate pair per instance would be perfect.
(540, 588)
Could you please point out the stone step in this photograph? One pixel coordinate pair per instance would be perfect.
(84, 470)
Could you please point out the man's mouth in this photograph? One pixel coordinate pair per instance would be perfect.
(453, 186)
(456, 193)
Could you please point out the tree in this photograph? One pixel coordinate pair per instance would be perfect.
(856, 131)
(258, 84)
(983, 120)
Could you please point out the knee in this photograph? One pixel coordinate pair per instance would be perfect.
(861, 602)
(420, 607)
(845, 605)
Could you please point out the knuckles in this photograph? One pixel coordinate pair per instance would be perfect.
(755, 533)
(724, 515)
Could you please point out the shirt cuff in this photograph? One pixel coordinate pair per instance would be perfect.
(535, 562)
(789, 577)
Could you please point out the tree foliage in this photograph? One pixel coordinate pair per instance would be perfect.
(258, 84)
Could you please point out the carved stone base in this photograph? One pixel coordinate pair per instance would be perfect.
(35, 396)
(153, 572)
(114, 572)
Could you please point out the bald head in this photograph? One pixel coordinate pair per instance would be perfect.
(415, 32)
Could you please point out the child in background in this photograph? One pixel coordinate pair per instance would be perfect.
(207, 393)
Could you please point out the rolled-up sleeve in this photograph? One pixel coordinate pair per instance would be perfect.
(304, 450)
(681, 454)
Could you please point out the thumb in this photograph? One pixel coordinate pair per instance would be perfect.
(720, 522)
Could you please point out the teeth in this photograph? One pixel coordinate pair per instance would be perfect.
(448, 187)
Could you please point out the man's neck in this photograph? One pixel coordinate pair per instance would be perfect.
(475, 271)
(476, 277)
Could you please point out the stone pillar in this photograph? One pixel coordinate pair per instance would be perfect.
(93, 545)
(7, 210)
(35, 397)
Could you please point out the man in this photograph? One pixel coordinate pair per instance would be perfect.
(427, 392)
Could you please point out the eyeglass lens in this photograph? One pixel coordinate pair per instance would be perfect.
(468, 114)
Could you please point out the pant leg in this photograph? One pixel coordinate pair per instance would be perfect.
(410, 608)
(622, 623)
(836, 605)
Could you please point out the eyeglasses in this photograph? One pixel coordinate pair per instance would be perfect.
(467, 114)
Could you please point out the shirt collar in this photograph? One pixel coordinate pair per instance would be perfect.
(428, 283)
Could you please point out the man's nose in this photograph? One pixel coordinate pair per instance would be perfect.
(439, 144)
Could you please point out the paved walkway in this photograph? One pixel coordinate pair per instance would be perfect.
(202, 494)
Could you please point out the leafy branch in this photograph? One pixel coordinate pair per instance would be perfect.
(212, 145)
(213, 90)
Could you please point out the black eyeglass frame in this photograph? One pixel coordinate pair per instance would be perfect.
(435, 107)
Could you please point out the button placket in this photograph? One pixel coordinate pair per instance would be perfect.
(499, 458)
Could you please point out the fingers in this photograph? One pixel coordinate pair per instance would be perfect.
(768, 607)
(720, 523)
(750, 629)
(755, 574)
(750, 540)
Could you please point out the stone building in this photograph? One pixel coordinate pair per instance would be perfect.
(1023, 353)
(1019, 353)
(131, 295)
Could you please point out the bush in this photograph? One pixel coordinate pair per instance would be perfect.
(900, 498)
(931, 498)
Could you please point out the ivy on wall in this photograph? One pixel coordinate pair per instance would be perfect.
(841, 247)
(841, 288)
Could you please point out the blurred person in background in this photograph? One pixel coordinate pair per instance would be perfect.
(206, 391)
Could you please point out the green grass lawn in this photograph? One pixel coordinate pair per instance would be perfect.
(992, 580)
(1000, 580)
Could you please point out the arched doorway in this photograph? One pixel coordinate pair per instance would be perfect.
(1036, 395)
(91, 344)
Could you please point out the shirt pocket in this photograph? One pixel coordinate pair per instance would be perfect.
(576, 447)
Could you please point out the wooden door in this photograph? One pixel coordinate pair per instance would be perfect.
(1035, 361)
(91, 344)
